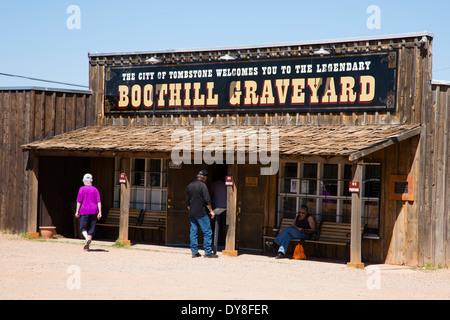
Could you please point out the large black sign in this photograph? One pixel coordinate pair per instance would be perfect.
(351, 82)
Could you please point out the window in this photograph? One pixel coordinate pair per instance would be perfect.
(371, 193)
(324, 189)
(148, 184)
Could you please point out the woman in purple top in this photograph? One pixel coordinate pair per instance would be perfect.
(89, 209)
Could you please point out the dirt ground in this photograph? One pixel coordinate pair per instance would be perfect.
(61, 269)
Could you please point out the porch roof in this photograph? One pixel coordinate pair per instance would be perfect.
(348, 141)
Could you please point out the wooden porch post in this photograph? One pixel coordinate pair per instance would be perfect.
(230, 240)
(355, 238)
(124, 201)
(33, 166)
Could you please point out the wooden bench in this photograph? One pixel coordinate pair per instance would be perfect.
(152, 220)
(334, 233)
(113, 218)
(327, 233)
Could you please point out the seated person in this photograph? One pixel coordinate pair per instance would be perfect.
(303, 224)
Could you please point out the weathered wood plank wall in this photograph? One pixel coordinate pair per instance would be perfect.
(434, 216)
(418, 232)
(29, 115)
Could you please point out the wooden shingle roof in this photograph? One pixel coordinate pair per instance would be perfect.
(348, 141)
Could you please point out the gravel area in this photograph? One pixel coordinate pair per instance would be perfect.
(60, 269)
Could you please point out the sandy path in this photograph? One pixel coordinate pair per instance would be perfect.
(33, 269)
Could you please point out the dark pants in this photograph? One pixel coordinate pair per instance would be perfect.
(87, 223)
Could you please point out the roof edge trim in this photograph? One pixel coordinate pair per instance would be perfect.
(33, 88)
(256, 46)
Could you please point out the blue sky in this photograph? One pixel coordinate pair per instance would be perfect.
(36, 41)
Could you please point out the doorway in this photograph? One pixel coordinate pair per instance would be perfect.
(250, 208)
(59, 181)
(178, 223)
(251, 204)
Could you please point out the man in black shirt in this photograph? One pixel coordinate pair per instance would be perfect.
(198, 204)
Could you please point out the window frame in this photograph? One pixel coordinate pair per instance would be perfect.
(342, 199)
(142, 195)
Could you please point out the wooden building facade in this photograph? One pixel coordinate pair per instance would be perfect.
(393, 141)
(30, 114)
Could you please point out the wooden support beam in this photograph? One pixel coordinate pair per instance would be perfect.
(230, 240)
(33, 166)
(124, 201)
(356, 237)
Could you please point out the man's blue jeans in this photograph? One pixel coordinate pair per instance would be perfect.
(285, 236)
(204, 224)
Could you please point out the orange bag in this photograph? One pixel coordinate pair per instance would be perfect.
(299, 253)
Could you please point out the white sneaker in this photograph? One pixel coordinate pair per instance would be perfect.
(86, 244)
